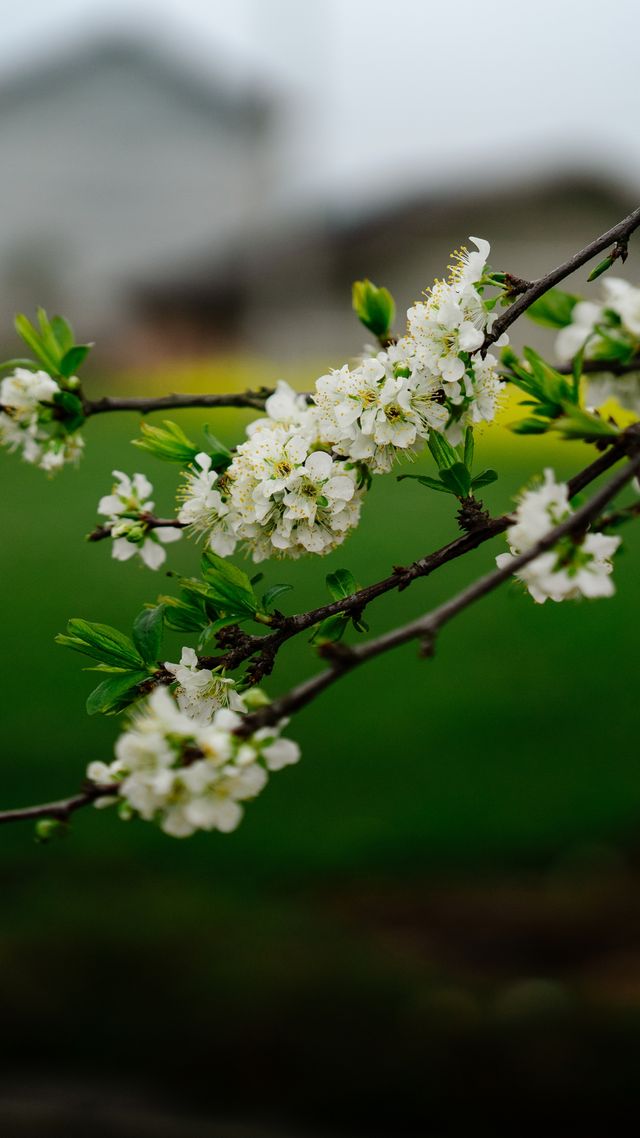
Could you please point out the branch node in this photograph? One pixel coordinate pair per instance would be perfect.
(472, 515)
(513, 286)
(427, 645)
(340, 656)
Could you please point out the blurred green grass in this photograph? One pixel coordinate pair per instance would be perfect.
(506, 751)
(510, 740)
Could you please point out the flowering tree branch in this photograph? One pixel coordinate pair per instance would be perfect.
(618, 237)
(266, 647)
(295, 485)
(427, 627)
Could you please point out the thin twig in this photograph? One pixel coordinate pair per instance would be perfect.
(60, 810)
(143, 405)
(103, 531)
(610, 367)
(618, 236)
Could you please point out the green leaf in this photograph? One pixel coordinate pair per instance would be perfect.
(168, 442)
(63, 334)
(554, 309)
(32, 339)
(341, 583)
(273, 593)
(579, 424)
(469, 448)
(73, 358)
(228, 586)
(331, 630)
(72, 407)
(101, 642)
(610, 345)
(219, 454)
(210, 631)
(531, 426)
(9, 365)
(576, 372)
(184, 615)
(444, 454)
(48, 338)
(116, 693)
(457, 479)
(432, 483)
(147, 633)
(485, 478)
(374, 307)
(360, 624)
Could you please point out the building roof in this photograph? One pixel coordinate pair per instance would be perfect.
(216, 86)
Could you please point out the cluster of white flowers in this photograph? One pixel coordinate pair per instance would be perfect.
(295, 485)
(433, 378)
(127, 509)
(190, 773)
(617, 317)
(28, 421)
(282, 494)
(576, 566)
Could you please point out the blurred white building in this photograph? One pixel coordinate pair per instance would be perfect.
(115, 161)
(142, 194)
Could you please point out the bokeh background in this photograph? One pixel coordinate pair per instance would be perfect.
(431, 926)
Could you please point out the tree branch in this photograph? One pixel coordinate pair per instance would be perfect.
(143, 405)
(617, 236)
(60, 810)
(427, 627)
(597, 367)
(265, 648)
(151, 522)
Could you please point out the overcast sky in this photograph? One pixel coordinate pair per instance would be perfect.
(383, 95)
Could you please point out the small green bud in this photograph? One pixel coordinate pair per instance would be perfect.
(168, 442)
(374, 307)
(46, 829)
(255, 698)
(601, 268)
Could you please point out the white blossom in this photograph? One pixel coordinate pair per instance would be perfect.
(24, 390)
(127, 509)
(188, 774)
(576, 566)
(623, 299)
(205, 509)
(575, 335)
(287, 408)
(27, 421)
(199, 691)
